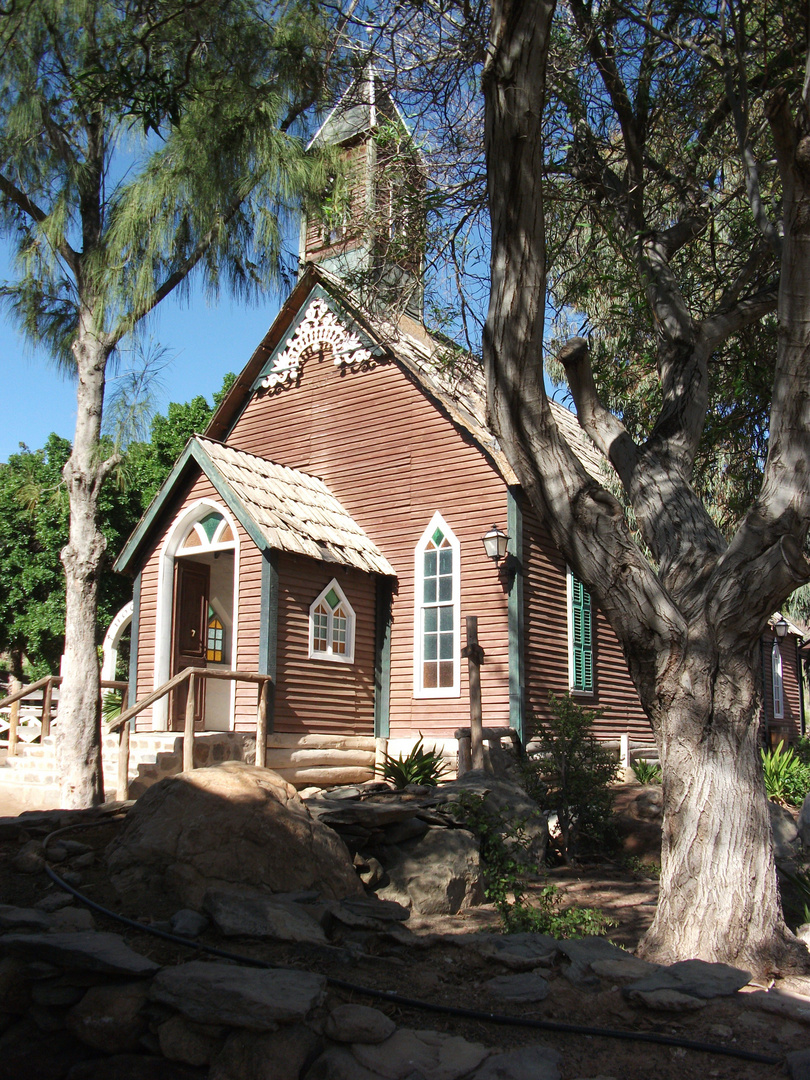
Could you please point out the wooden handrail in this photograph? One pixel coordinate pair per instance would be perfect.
(175, 681)
(55, 680)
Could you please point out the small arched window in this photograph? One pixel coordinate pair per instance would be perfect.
(331, 626)
(215, 646)
(778, 687)
(209, 531)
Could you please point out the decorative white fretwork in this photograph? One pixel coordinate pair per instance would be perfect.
(319, 327)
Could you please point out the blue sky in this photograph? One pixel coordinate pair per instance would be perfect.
(205, 342)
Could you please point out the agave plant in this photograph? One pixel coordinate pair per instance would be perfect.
(787, 778)
(647, 772)
(420, 766)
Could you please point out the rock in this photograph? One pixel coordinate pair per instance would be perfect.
(17, 918)
(79, 862)
(525, 987)
(519, 952)
(72, 918)
(132, 1067)
(278, 1055)
(625, 967)
(54, 901)
(81, 949)
(784, 832)
(216, 993)
(798, 1063)
(29, 859)
(537, 1062)
(432, 1053)
(803, 933)
(227, 824)
(54, 1057)
(358, 1024)
(582, 953)
(439, 874)
(238, 914)
(666, 1000)
(193, 1044)
(694, 977)
(368, 912)
(509, 803)
(649, 804)
(803, 824)
(110, 1018)
(57, 992)
(338, 1063)
(15, 985)
(369, 870)
(188, 923)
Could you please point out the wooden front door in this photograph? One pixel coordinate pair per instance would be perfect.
(189, 635)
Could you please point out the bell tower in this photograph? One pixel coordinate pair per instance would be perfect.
(369, 228)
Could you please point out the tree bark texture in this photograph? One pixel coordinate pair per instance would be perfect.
(78, 732)
(689, 625)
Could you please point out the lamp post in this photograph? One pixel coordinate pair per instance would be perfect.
(781, 627)
(495, 544)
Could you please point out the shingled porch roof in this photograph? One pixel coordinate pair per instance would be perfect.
(281, 509)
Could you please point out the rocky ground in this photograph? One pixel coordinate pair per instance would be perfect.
(172, 1012)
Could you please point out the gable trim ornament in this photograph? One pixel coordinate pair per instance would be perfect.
(320, 327)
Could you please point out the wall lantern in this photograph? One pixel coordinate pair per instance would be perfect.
(495, 543)
(781, 627)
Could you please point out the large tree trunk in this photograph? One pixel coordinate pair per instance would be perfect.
(78, 732)
(719, 898)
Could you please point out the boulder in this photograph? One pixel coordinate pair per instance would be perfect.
(508, 802)
(538, 1062)
(524, 987)
(697, 978)
(277, 1055)
(434, 1054)
(82, 950)
(240, 914)
(804, 822)
(256, 999)
(439, 874)
(358, 1024)
(225, 825)
(110, 1018)
(193, 1044)
(784, 832)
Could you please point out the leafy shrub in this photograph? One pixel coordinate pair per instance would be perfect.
(508, 867)
(787, 777)
(647, 772)
(571, 774)
(111, 704)
(420, 766)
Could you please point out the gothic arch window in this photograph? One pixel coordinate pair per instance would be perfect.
(331, 626)
(776, 678)
(209, 531)
(437, 614)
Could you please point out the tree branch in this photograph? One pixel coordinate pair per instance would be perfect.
(720, 326)
(21, 200)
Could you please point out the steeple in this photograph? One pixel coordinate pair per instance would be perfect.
(369, 228)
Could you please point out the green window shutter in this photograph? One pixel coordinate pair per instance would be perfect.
(581, 625)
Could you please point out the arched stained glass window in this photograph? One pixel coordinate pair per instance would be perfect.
(215, 649)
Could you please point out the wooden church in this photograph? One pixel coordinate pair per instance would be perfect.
(327, 528)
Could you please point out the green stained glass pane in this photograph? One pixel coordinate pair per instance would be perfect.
(446, 618)
(431, 646)
(446, 561)
(430, 620)
(438, 536)
(445, 588)
(209, 524)
(445, 646)
(430, 564)
(430, 591)
(210, 612)
(332, 598)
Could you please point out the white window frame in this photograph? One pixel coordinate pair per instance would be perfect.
(419, 690)
(328, 653)
(777, 684)
(569, 608)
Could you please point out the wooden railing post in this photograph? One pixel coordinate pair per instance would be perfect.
(123, 761)
(188, 731)
(261, 723)
(475, 657)
(13, 726)
(45, 723)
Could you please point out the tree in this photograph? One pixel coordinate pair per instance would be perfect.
(139, 142)
(688, 621)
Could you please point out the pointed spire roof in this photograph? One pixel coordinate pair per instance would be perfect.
(361, 108)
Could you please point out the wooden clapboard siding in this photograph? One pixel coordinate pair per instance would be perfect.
(323, 695)
(393, 460)
(791, 722)
(546, 644)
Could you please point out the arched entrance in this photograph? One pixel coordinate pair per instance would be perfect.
(197, 601)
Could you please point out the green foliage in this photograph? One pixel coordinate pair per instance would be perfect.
(508, 866)
(420, 766)
(787, 777)
(111, 704)
(639, 868)
(646, 772)
(570, 773)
